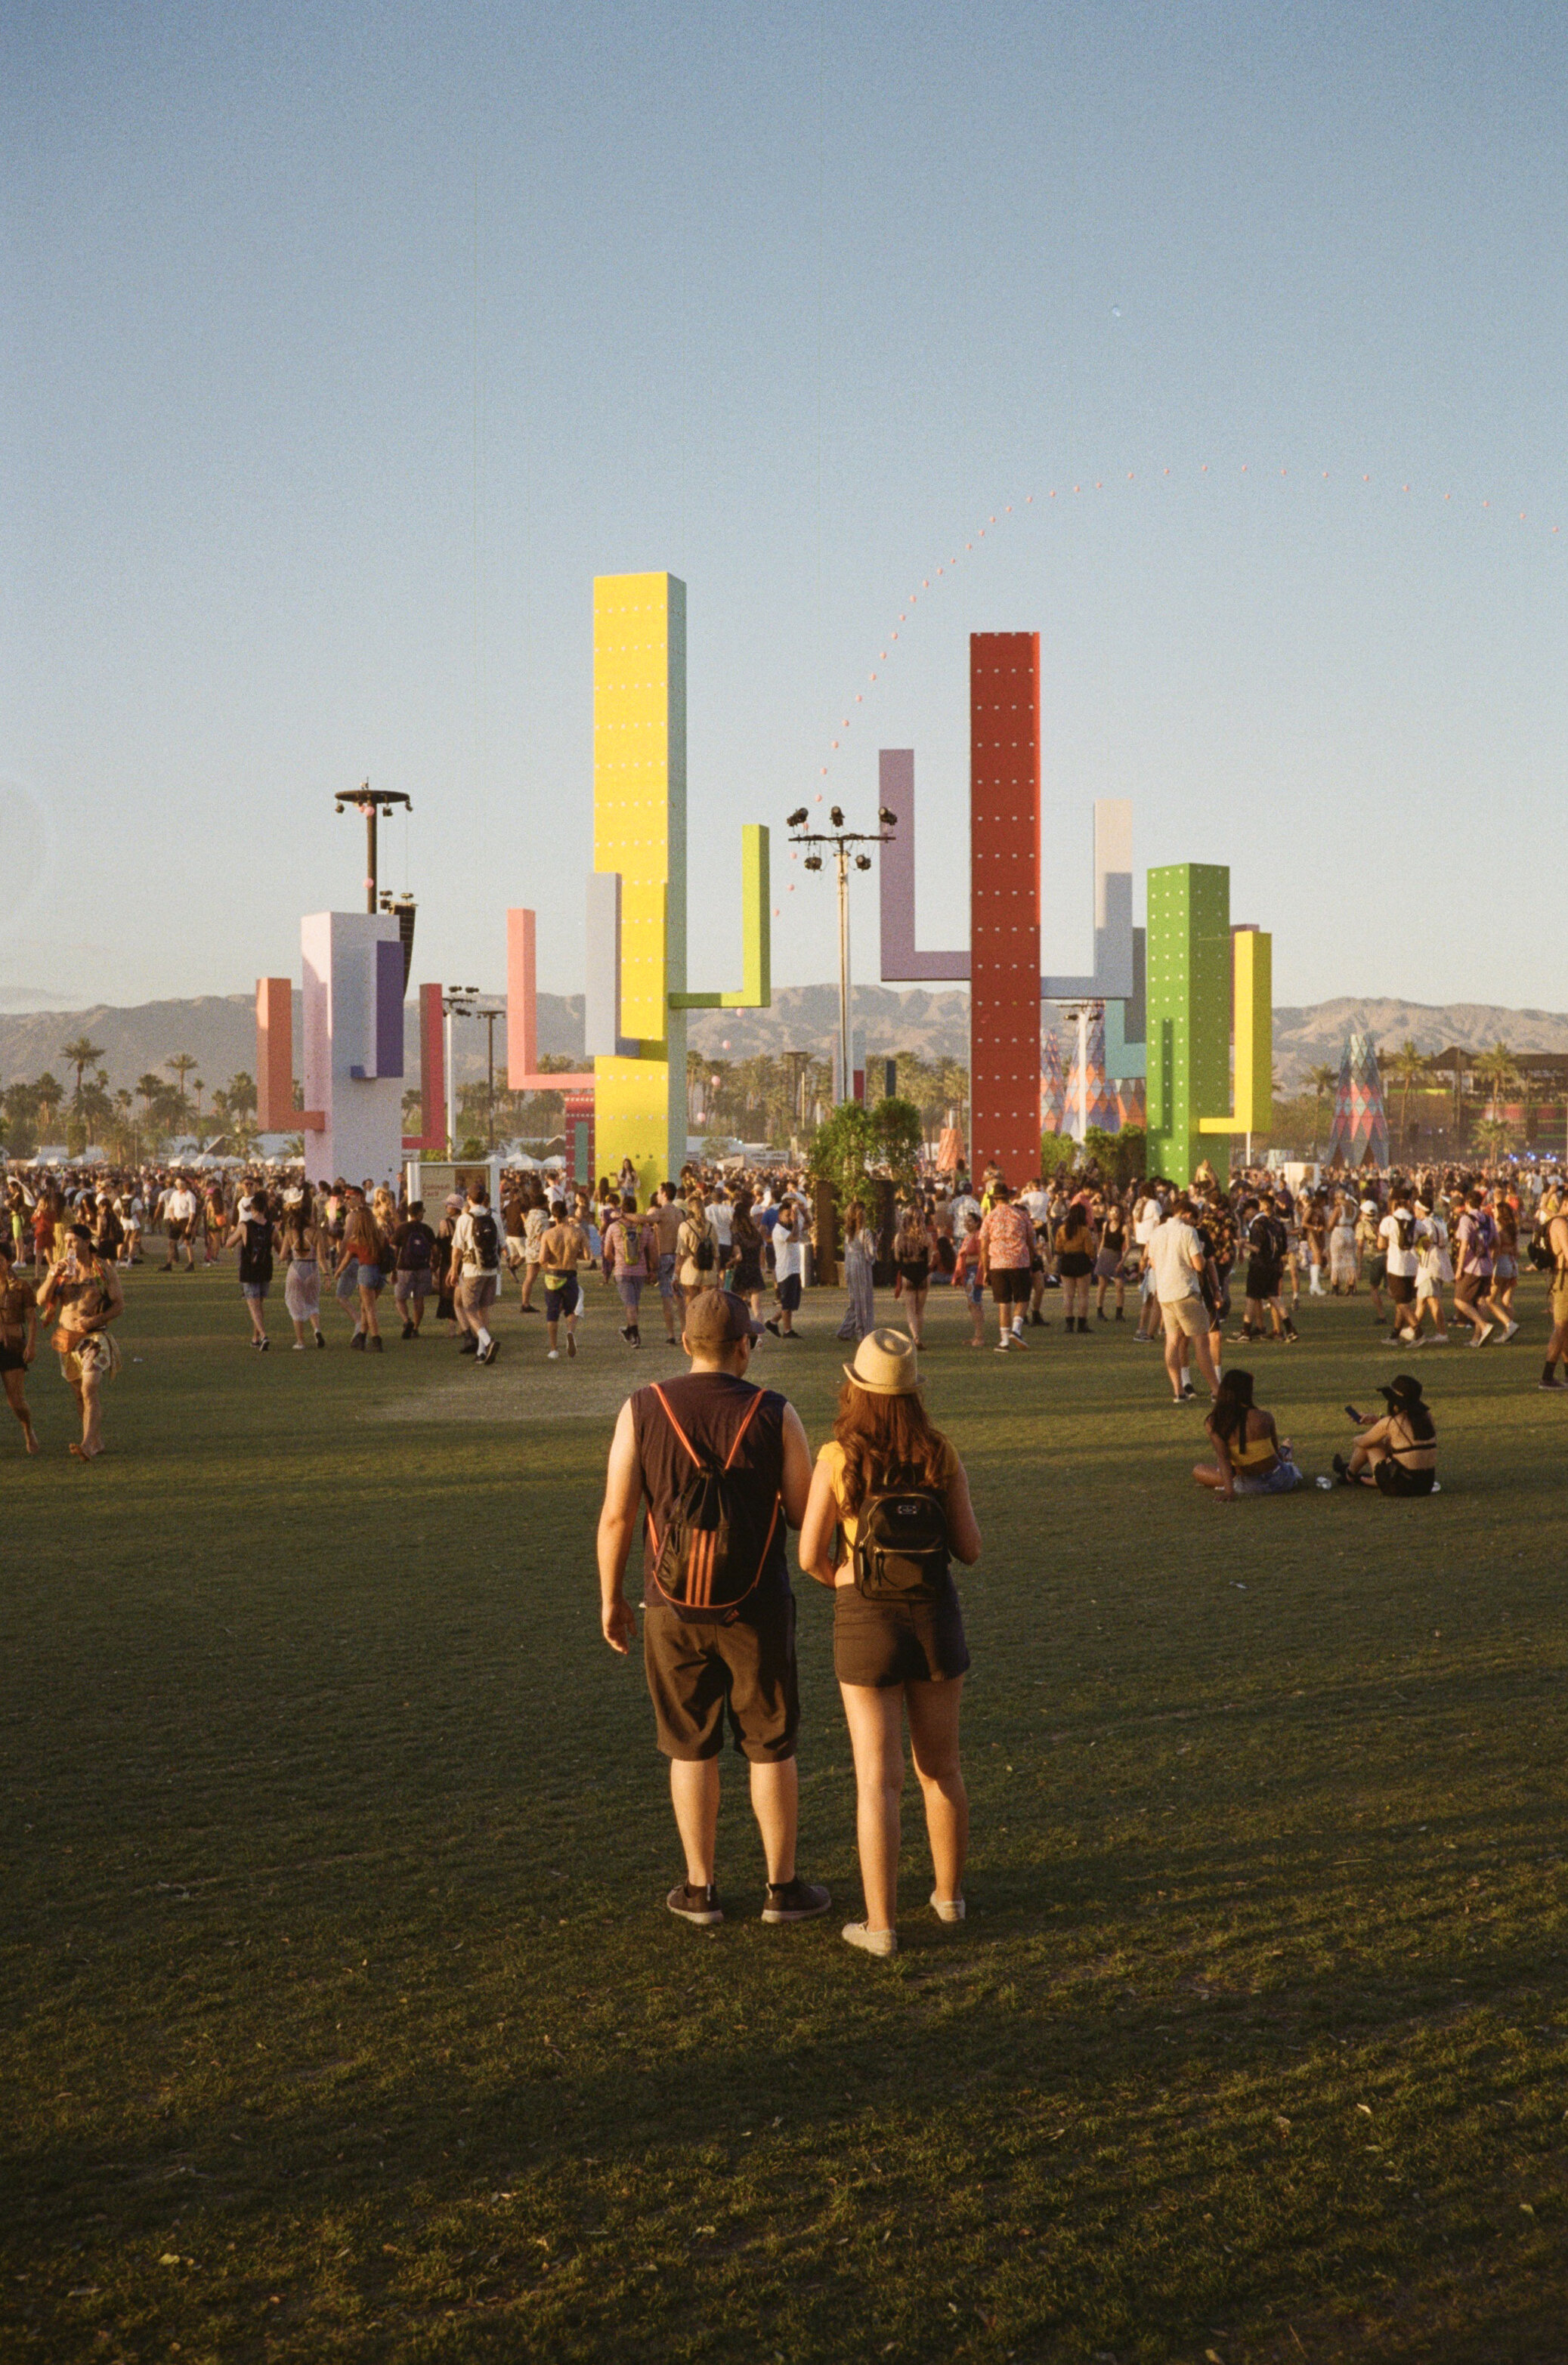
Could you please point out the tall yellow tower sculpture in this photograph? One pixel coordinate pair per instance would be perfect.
(636, 997)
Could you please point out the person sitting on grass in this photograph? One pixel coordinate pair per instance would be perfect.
(1398, 1450)
(1250, 1456)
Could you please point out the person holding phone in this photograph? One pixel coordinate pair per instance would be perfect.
(1398, 1450)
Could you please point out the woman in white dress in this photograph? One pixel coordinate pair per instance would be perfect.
(1434, 1270)
(1342, 1249)
(302, 1275)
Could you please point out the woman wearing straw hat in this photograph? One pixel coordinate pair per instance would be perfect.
(898, 1645)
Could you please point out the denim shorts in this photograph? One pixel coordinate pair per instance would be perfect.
(372, 1277)
(667, 1275)
(1283, 1479)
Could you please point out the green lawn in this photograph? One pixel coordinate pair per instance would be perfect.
(343, 2018)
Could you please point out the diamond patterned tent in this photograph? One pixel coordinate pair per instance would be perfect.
(1131, 1102)
(1101, 1104)
(1361, 1126)
(1053, 1087)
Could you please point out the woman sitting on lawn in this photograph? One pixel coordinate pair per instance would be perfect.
(1250, 1456)
(1397, 1452)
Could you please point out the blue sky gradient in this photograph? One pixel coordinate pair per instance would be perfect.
(344, 346)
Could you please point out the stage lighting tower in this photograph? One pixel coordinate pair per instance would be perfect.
(843, 843)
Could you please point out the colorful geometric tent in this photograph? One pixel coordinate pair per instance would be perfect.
(1131, 1103)
(1100, 1095)
(1361, 1128)
(950, 1150)
(1053, 1087)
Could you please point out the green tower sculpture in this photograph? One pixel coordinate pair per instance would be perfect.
(1189, 1012)
(1202, 974)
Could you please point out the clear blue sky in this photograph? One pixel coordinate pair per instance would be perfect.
(342, 345)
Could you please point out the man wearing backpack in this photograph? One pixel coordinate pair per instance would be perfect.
(722, 1471)
(1265, 1276)
(1397, 1231)
(476, 1263)
(415, 1246)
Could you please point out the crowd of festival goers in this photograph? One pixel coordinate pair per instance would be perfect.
(1436, 1254)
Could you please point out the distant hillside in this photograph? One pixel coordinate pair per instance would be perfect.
(219, 1031)
(1314, 1036)
(805, 1019)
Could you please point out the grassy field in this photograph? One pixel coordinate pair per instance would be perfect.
(343, 2018)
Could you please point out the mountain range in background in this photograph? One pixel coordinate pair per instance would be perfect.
(219, 1032)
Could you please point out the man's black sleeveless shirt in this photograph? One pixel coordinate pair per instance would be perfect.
(709, 1407)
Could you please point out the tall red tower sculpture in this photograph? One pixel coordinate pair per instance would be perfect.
(1005, 903)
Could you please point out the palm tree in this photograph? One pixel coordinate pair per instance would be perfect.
(125, 1124)
(1322, 1079)
(93, 1108)
(1494, 1138)
(1406, 1066)
(180, 1066)
(50, 1096)
(80, 1055)
(1499, 1069)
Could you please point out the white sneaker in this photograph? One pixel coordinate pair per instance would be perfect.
(554, 1356)
(1483, 1334)
(947, 1909)
(870, 1942)
(1438, 1338)
(1511, 1332)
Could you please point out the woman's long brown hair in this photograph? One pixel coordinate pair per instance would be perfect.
(887, 1442)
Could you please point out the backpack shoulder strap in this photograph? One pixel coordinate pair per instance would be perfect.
(745, 1424)
(669, 1415)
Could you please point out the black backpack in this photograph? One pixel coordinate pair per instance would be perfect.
(713, 1550)
(901, 1545)
(1542, 1253)
(1271, 1247)
(486, 1240)
(702, 1256)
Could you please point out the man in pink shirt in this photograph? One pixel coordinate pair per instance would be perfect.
(1007, 1247)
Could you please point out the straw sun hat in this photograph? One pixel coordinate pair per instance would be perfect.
(885, 1365)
